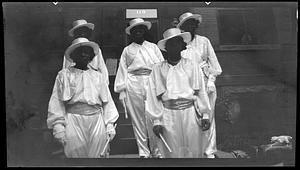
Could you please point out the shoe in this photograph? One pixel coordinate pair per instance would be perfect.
(157, 156)
(211, 156)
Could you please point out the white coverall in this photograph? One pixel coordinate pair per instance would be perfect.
(132, 77)
(201, 51)
(81, 106)
(180, 83)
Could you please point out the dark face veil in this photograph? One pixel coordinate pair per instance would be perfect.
(82, 55)
(190, 25)
(84, 32)
(138, 33)
(174, 46)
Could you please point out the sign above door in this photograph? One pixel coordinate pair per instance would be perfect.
(141, 13)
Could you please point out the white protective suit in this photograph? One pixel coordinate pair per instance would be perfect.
(201, 51)
(182, 88)
(132, 77)
(97, 64)
(81, 106)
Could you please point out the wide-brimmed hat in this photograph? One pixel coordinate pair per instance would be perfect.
(80, 23)
(136, 22)
(171, 33)
(186, 16)
(80, 42)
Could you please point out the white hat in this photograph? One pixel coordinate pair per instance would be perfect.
(80, 23)
(187, 16)
(80, 42)
(136, 22)
(171, 33)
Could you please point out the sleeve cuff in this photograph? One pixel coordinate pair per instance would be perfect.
(205, 116)
(58, 128)
(156, 122)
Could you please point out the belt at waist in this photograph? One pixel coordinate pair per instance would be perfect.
(178, 104)
(140, 72)
(83, 109)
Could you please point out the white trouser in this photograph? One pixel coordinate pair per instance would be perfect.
(85, 136)
(142, 125)
(182, 133)
(211, 144)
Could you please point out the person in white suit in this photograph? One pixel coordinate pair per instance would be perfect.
(81, 111)
(132, 77)
(177, 101)
(200, 50)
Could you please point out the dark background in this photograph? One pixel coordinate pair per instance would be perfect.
(255, 44)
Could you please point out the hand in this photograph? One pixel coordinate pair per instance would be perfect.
(205, 124)
(59, 133)
(211, 86)
(110, 131)
(158, 129)
(122, 96)
(60, 137)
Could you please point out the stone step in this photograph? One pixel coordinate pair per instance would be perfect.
(124, 130)
(123, 146)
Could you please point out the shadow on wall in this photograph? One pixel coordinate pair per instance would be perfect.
(33, 45)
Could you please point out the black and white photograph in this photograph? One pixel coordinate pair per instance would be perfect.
(150, 84)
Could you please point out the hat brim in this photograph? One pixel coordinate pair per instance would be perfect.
(89, 25)
(72, 47)
(194, 16)
(185, 35)
(146, 23)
